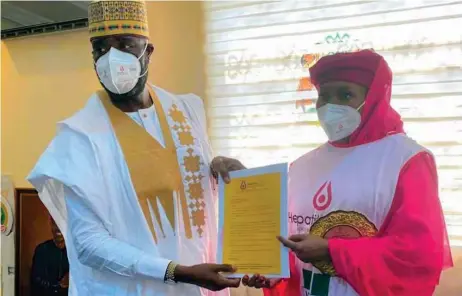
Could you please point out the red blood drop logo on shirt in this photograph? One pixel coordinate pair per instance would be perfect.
(323, 197)
(122, 68)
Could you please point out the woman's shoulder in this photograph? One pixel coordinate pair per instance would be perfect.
(405, 145)
(309, 157)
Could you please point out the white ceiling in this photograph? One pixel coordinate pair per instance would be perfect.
(15, 14)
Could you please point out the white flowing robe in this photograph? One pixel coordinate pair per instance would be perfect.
(83, 180)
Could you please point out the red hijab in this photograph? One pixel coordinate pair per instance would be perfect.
(367, 68)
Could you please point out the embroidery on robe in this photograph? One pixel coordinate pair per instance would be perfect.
(347, 224)
(154, 169)
(193, 165)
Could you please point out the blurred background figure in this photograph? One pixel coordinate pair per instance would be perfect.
(50, 267)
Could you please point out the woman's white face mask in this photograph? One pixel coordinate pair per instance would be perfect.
(339, 121)
(119, 71)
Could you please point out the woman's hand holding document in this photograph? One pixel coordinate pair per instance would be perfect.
(252, 213)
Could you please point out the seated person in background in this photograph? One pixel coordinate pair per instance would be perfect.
(50, 267)
(374, 221)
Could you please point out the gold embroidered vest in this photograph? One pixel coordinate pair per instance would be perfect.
(154, 170)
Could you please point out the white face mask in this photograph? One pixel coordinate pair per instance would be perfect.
(339, 121)
(119, 71)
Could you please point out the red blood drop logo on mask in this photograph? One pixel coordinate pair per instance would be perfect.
(323, 197)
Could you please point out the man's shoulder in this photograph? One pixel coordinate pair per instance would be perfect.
(188, 97)
(88, 118)
(192, 103)
(91, 107)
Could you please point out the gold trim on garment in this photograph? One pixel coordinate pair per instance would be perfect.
(355, 220)
(154, 170)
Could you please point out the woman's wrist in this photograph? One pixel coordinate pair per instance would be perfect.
(325, 254)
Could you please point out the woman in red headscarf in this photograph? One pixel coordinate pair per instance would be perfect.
(364, 212)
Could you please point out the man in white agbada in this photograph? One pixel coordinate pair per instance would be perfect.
(128, 178)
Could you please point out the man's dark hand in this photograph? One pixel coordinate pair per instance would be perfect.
(208, 276)
(221, 166)
(308, 248)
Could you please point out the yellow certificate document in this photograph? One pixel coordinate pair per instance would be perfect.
(252, 212)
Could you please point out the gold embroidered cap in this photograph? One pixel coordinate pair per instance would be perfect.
(110, 17)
